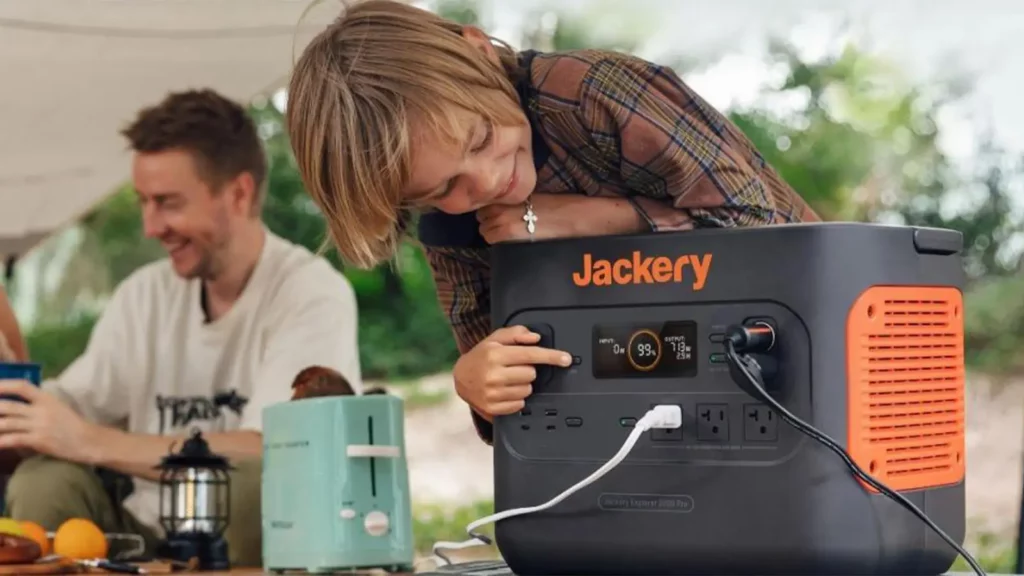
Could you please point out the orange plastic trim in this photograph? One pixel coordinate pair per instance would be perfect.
(905, 383)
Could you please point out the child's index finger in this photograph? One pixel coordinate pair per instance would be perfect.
(541, 355)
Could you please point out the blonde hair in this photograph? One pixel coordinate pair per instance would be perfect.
(353, 93)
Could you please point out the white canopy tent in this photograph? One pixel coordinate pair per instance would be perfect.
(73, 72)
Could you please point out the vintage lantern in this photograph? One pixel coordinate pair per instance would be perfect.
(194, 501)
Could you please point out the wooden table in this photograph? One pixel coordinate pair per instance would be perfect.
(259, 572)
(52, 569)
(235, 572)
(66, 567)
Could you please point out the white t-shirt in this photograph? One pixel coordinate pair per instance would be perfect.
(154, 366)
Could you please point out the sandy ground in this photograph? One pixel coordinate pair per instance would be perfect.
(447, 460)
(448, 464)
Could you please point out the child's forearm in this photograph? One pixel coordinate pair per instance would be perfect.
(604, 216)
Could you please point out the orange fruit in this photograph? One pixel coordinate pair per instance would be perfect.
(37, 533)
(80, 539)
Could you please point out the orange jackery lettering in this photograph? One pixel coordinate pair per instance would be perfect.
(640, 269)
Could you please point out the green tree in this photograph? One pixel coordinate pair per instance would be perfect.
(864, 147)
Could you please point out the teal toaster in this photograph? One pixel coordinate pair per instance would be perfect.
(335, 492)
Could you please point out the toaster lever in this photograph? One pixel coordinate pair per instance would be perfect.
(372, 451)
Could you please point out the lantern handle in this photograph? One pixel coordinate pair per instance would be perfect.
(194, 451)
(372, 451)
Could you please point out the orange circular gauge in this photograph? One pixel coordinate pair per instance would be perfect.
(644, 351)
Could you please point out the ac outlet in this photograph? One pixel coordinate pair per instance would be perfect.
(713, 422)
(760, 423)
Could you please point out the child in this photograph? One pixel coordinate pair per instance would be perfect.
(393, 110)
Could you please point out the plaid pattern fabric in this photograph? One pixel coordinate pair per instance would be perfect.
(606, 123)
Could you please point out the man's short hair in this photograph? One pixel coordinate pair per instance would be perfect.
(218, 132)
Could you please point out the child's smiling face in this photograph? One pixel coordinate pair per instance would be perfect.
(394, 107)
(494, 166)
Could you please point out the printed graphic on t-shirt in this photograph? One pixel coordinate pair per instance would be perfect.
(178, 412)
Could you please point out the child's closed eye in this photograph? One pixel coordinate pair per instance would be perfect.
(487, 139)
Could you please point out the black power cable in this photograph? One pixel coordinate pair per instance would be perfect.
(747, 374)
(1019, 564)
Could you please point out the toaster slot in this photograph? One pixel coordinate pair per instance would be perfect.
(373, 461)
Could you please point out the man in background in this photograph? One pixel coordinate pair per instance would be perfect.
(203, 339)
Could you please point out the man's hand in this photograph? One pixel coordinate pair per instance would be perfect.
(44, 425)
(497, 375)
(560, 216)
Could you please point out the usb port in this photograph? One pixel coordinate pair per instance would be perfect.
(550, 412)
(627, 422)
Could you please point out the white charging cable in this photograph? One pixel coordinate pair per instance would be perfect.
(661, 416)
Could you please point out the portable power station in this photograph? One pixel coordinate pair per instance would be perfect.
(865, 344)
(335, 489)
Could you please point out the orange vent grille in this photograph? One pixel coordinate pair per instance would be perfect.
(906, 386)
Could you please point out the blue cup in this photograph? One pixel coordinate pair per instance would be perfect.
(20, 371)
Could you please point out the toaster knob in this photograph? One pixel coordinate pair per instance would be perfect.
(376, 523)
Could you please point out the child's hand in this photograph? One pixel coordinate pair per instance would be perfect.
(496, 376)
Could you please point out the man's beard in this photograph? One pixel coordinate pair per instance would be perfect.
(213, 250)
(211, 260)
(206, 269)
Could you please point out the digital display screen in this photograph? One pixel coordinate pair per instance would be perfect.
(649, 350)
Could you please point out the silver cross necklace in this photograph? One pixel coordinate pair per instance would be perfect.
(530, 218)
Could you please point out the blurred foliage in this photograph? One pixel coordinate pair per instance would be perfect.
(863, 146)
(991, 552)
(994, 324)
(848, 131)
(55, 345)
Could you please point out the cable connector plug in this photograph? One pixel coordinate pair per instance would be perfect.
(757, 337)
(665, 416)
(746, 373)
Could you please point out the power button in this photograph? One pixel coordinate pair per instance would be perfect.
(547, 340)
